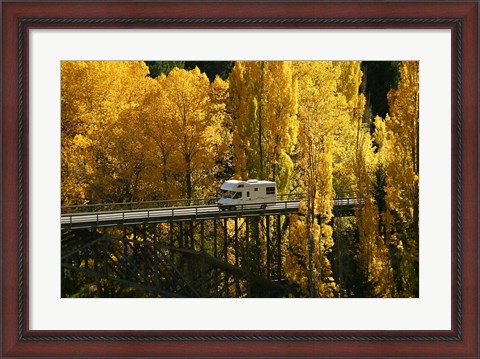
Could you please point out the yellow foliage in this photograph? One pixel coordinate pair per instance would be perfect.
(397, 137)
(263, 105)
(127, 137)
(328, 108)
(95, 95)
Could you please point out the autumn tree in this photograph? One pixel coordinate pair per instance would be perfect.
(397, 136)
(263, 106)
(184, 121)
(349, 133)
(373, 252)
(159, 141)
(97, 97)
(356, 166)
(322, 114)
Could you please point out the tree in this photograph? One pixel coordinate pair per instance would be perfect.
(128, 137)
(322, 114)
(263, 106)
(398, 137)
(373, 253)
(97, 96)
(159, 143)
(185, 122)
(348, 134)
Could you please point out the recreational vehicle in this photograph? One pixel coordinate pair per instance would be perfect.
(236, 193)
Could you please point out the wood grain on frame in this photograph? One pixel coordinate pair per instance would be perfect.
(460, 17)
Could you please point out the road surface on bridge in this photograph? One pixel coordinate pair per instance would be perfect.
(157, 215)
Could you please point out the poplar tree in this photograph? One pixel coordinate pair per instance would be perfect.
(322, 113)
(263, 106)
(398, 136)
(373, 254)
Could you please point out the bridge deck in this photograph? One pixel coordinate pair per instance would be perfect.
(171, 214)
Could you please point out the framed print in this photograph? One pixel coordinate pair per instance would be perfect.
(240, 179)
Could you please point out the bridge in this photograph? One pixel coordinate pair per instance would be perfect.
(186, 248)
(107, 215)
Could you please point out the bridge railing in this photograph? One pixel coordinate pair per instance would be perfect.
(290, 197)
(351, 197)
(125, 206)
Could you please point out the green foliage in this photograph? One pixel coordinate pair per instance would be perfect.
(212, 69)
(381, 76)
(158, 68)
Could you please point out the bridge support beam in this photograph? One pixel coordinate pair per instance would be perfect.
(196, 258)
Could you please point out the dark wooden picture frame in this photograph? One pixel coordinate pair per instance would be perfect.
(20, 16)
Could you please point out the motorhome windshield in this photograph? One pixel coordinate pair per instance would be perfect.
(227, 194)
(231, 194)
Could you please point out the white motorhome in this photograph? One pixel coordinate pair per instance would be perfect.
(236, 193)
